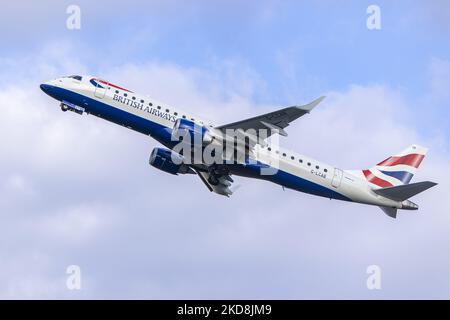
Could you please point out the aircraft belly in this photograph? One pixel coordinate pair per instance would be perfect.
(288, 180)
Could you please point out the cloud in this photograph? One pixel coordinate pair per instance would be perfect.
(79, 190)
(440, 78)
(435, 14)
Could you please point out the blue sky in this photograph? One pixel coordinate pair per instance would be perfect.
(298, 49)
(118, 219)
(261, 34)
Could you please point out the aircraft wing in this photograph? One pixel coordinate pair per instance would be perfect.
(275, 121)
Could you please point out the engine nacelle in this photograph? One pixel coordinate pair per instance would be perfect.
(168, 161)
(191, 133)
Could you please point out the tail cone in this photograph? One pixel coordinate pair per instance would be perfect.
(409, 205)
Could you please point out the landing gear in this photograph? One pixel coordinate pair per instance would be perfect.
(67, 106)
(213, 180)
(216, 174)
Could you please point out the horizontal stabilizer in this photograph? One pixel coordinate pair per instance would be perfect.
(403, 192)
(391, 212)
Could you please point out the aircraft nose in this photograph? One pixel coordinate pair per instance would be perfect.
(45, 88)
(48, 89)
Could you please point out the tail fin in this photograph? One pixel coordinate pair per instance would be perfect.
(398, 169)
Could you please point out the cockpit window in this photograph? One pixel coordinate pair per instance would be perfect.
(79, 78)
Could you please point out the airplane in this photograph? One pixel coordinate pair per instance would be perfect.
(386, 184)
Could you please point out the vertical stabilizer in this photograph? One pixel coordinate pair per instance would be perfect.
(396, 170)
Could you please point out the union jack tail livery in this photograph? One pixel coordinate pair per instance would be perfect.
(398, 169)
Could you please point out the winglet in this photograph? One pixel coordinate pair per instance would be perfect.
(308, 107)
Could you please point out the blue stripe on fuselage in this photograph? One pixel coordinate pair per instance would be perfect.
(115, 115)
(96, 84)
(163, 135)
(286, 179)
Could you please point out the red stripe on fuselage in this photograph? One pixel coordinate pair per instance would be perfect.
(112, 85)
(412, 160)
(375, 180)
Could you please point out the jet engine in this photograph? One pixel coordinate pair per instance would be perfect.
(191, 133)
(168, 161)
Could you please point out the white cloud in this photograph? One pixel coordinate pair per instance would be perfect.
(440, 78)
(138, 232)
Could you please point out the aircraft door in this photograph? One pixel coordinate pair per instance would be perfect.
(337, 177)
(100, 89)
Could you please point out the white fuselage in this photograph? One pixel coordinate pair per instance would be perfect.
(153, 118)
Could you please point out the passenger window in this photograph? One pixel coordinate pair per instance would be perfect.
(150, 104)
(117, 91)
(325, 170)
(159, 107)
(167, 110)
(284, 154)
(134, 98)
(292, 158)
(142, 101)
(309, 163)
(125, 95)
(184, 117)
(317, 167)
(300, 160)
(175, 113)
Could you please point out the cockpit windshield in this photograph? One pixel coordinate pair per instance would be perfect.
(79, 78)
